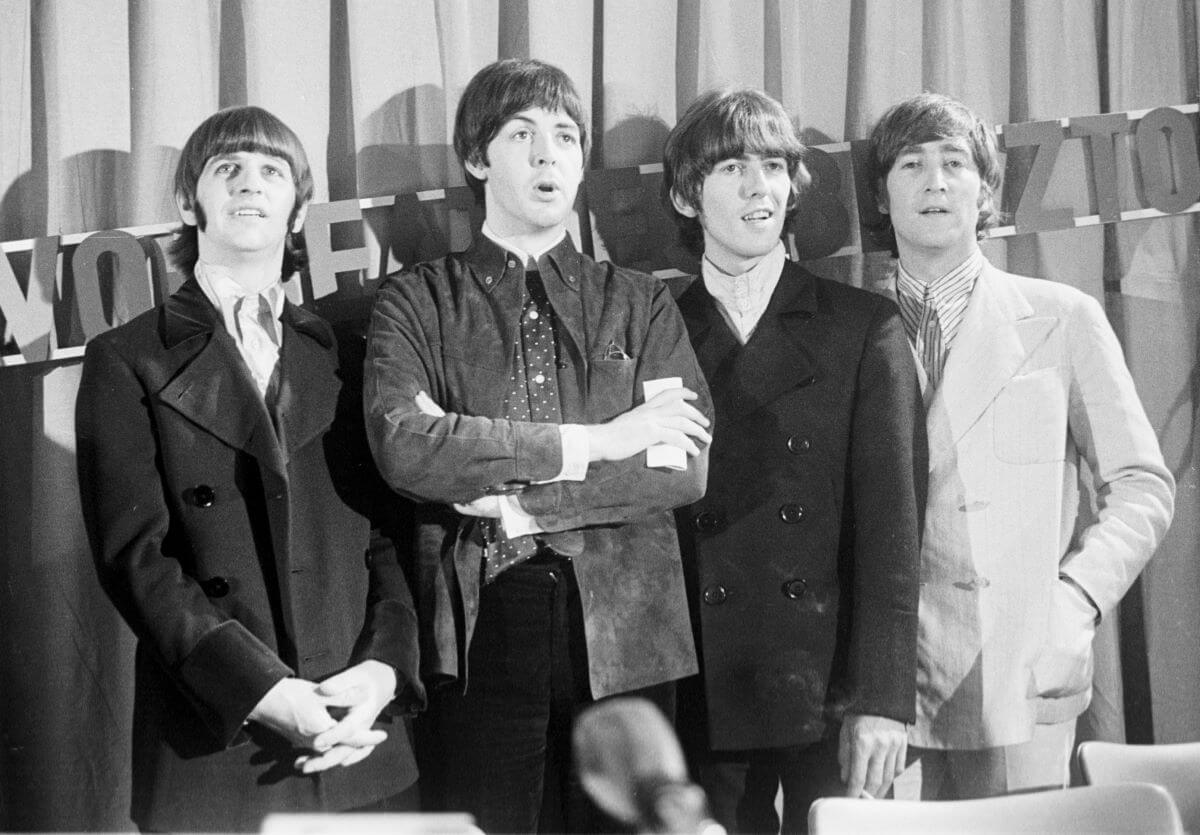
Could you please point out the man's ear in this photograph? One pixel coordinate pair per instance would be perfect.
(682, 206)
(186, 211)
(298, 221)
(476, 169)
(881, 202)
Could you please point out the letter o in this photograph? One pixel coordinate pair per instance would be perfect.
(1167, 161)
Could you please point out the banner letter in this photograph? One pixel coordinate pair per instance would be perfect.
(131, 293)
(30, 315)
(1167, 161)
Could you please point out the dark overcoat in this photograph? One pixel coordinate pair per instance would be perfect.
(240, 552)
(802, 558)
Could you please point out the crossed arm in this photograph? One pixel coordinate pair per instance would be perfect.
(434, 454)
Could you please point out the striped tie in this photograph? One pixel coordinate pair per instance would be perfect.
(929, 333)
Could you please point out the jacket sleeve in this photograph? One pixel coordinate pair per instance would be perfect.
(389, 632)
(887, 491)
(218, 663)
(445, 457)
(617, 491)
(1134, 491)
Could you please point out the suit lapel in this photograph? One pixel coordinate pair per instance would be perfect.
(213, 388)
(996, 338)
(776, 360)
(307, 374)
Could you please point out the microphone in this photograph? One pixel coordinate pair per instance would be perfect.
(631, 765)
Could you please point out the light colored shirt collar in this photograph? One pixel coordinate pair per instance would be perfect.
(529, 258)
(949, 295)
(951, 283)
(258, 348)
(224, 292)
(742, 299)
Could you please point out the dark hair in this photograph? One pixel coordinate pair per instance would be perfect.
(927, 117)
(500, 91)
(721, 125)
(228, 131)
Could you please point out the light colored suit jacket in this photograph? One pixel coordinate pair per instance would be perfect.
(1035, 403)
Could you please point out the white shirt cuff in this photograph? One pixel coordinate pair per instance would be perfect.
(575, 452)
(515, 520)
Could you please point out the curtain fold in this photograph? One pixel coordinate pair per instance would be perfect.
(1154, 266)
(98, 96)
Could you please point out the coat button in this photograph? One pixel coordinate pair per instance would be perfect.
(201, 495)
(791, 513)
(794, 589)
(715, 595)
(215, 586)
(708, 521)
(798, 445)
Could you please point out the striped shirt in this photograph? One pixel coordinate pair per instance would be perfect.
(933, 312)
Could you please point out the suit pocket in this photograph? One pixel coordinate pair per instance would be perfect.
(1030, 419)
(1064, 665)
(610, 387)
(475, 387)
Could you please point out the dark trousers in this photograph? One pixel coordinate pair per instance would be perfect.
(742, 785)
(502, 749)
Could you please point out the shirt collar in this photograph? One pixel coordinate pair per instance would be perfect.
(717, 281)
(493, 258)
(224, 292)
(525, 257)
(963, 275)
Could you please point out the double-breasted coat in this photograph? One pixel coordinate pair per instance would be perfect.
(802, 558)
(239, 550)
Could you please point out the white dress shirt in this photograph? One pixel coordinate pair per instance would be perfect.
(742, 299)
(257, 338)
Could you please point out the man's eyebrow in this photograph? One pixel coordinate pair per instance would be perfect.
(517, 117)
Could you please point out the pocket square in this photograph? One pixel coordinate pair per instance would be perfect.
(613, 351)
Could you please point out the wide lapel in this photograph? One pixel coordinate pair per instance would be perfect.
(308, 380)
(776, 360)
(998, 333)
(214, 389)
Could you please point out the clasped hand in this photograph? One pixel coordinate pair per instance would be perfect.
(304, 712)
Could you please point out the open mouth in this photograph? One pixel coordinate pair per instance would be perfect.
(250, 213)
(759, 214)
(546, 188)
(934, 211)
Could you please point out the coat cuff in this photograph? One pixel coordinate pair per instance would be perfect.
(228, 673)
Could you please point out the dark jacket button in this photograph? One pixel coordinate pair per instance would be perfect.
(798, 445)
(794, 589)
(708, 521)
(215, 586)
(791, 513)
(201, 495)
(715, 595)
